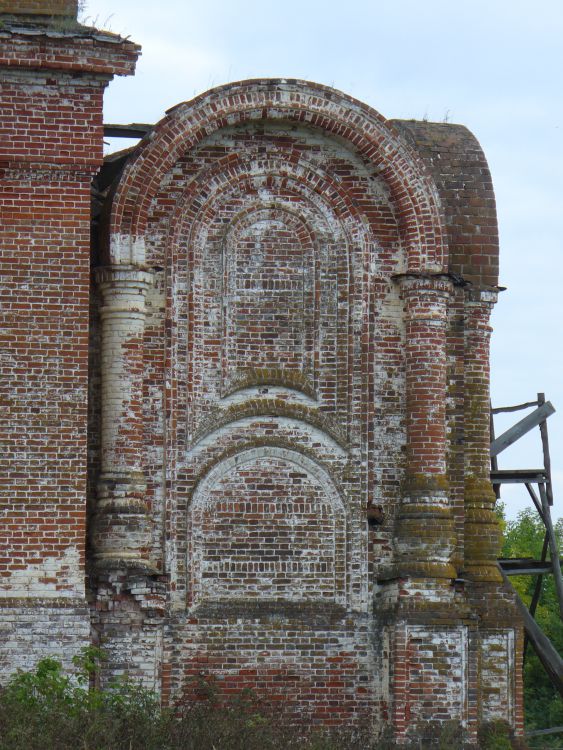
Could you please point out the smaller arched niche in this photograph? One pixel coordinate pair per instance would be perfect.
(269, 293)
(267, 524)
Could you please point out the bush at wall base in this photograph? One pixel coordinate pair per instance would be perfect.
(48, 709)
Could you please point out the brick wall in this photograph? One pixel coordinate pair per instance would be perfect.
(305, 353)
(51, 135)
(40, 7)
(469, 205)
(289, 325)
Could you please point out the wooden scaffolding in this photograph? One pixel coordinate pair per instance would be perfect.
(540, 489)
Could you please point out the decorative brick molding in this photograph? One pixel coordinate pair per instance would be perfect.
(304, 103)
(301, 550)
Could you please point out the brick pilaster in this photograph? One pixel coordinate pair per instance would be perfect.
(121, 532)
(482, 533)
(425, 533)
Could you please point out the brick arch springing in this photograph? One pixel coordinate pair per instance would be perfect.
(412, 190)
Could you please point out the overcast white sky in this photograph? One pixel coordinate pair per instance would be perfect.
(495, 66)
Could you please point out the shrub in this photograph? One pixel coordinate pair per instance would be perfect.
(47, 709)
(497, 735)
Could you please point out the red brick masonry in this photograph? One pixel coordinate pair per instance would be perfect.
(288, 323)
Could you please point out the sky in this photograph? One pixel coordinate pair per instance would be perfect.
(495, 66)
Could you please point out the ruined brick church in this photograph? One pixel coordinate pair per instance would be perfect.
(245, 393)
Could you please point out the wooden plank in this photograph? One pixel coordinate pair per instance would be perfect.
(133, 130)
(547, 654)
(546, 456)
(518, 476)
(544, 732)
(494, 462)
(524, 567)
(521, 428)
(518, 407)
(553, 548)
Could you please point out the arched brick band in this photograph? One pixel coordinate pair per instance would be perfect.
(412, 190)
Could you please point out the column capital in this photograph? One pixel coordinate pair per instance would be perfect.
(123, 276)
(481, 296)
(420, 281)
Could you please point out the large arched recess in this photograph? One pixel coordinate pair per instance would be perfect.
(412, 190)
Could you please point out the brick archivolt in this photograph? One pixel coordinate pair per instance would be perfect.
(285, 406)
(203, 217)
(299, 198)
(339, 211)
(324, 196)
(412, 190)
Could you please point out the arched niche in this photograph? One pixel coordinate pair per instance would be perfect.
(267, 524)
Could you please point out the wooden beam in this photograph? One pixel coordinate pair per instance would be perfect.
(134, 130)
(553, 547)
(518, 407)
(546, 456)
(518, 476)
(537, 587)
(544, 732)
(547, 654)
(536, 501)
(525, 566)
(494, 461)
(521, 428)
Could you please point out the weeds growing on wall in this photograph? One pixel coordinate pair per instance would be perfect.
(47, 709)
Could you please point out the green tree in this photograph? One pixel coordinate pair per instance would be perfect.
(543, 705)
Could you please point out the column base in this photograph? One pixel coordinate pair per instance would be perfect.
(482, 532)
(425, 536)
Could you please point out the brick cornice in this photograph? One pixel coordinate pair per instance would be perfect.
(81, 50)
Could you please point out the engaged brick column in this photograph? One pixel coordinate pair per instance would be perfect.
(482, 533)
(121, 532)
(425, 533)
